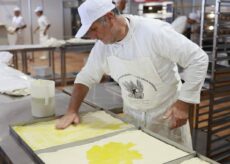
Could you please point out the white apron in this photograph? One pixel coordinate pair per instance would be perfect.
(19, 37)
(43, 38)
(146, 98)
(42, 23)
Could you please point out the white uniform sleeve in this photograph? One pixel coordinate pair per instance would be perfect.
(188, 55)
(45, 21)
(22, 22)
(94, 69)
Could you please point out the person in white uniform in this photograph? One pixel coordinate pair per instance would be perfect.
(183, 23)
(43, 27)
(141, 54)
(19, 25)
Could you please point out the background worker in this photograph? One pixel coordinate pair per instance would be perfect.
(19, 25)
(183, 24)
(43, 27)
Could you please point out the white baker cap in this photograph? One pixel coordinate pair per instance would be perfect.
(90, 11)
(38, 8)
(17, 9)
(193, 16)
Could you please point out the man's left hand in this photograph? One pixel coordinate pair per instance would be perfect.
(16, 29)
(178, 114)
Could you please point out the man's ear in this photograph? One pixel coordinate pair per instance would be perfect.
(110, 17)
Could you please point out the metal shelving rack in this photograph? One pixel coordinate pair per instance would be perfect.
(213, 115)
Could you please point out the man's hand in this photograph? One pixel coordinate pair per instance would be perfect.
(178, 114)
(71, 116)
(16, 29)
(67, 119)
(36, 29)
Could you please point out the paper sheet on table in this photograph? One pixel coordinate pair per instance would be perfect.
(44, 135)
(195, 161)
(5, 57)
(132, 146)
(53, 42)
(77, 40)
(12, 80)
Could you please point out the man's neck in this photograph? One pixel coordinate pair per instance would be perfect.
(123, 31)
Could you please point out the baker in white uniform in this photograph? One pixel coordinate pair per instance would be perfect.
(141, 54)
(43, 26)
(19, 25)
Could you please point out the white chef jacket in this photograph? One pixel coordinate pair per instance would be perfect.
(18, 21)
(163, 45)
(160, 46)
(42, 23)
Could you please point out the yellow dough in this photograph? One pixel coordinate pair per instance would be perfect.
(130, 147)
(44, 134)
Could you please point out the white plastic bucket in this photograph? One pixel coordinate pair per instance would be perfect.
(43, 98)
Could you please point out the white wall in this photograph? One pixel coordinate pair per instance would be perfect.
(54, 11)
(67, 22)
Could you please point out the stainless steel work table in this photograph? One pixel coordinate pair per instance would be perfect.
(23, 49)
(103, 96)
(80, 46)
(18, 111)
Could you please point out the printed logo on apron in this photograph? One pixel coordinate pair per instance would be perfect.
(139, 86)
(135, 88)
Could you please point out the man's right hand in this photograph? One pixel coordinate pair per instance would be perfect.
(67, 119)
(78, 94)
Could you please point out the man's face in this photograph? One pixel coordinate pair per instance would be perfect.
(191, 21)
(38, 13)
(17, 13)
(103, 30)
